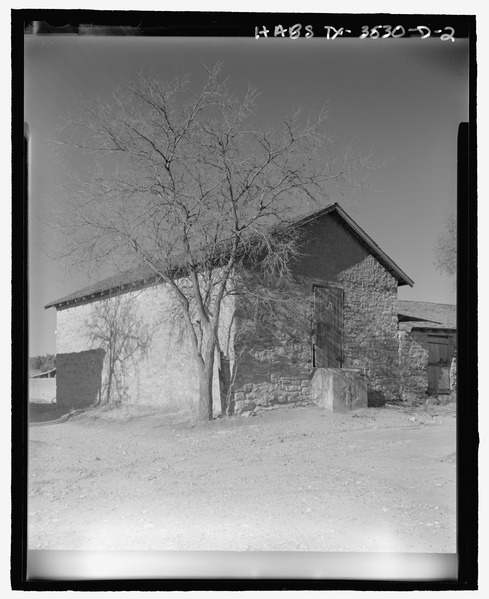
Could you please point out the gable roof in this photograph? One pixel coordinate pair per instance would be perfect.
(142, 276)
(337, 212)
(427, 315)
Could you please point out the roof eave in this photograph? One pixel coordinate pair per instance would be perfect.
(89, 297)
(397, 272)
(390, 265)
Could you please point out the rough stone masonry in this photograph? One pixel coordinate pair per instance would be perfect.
(273, 369)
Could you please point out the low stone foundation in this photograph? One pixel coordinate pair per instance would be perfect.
(339, 390)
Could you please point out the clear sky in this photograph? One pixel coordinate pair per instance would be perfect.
(406, 96)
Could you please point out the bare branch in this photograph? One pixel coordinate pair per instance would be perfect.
(181, 183)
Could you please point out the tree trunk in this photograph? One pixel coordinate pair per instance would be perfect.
(109, 380)
(225, 384)
(205, 384)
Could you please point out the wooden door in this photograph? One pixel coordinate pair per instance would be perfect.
(438, 364)
(328, 342)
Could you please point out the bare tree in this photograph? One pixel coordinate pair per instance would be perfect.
(115, 327)
(187, 185)
(273, 309)
(446, 246)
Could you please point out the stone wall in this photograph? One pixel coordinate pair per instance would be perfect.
(333, 256)
(166, 375)
(79, 378)
(275, 371)
(370, 321)
(453, 376)
(339, 389)
(413, 364)
(272, 372)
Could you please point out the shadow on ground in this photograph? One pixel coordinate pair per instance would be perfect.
(45, 412)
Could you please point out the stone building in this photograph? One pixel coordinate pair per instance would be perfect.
(353, 325)
(427, 348)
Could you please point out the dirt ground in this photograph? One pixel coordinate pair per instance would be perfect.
(290, 479)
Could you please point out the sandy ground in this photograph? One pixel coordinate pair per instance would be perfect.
(291, 479)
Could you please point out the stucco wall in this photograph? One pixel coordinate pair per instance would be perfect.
(166, 375)
(42, 389)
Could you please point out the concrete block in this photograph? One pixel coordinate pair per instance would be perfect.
(338, 389)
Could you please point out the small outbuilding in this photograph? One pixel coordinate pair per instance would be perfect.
(427, 348)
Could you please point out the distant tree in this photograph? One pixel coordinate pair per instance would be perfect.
(193, 176)
(49, 362)
(43, 363)
(446, 246)
(115, 327)
(35, 363)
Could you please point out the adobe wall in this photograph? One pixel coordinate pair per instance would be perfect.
(274, 372)
(166, 376)
(79, 378)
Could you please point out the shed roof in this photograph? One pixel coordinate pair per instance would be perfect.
(125, 281)
(119, 282)
(427, 315)
(44, 374)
